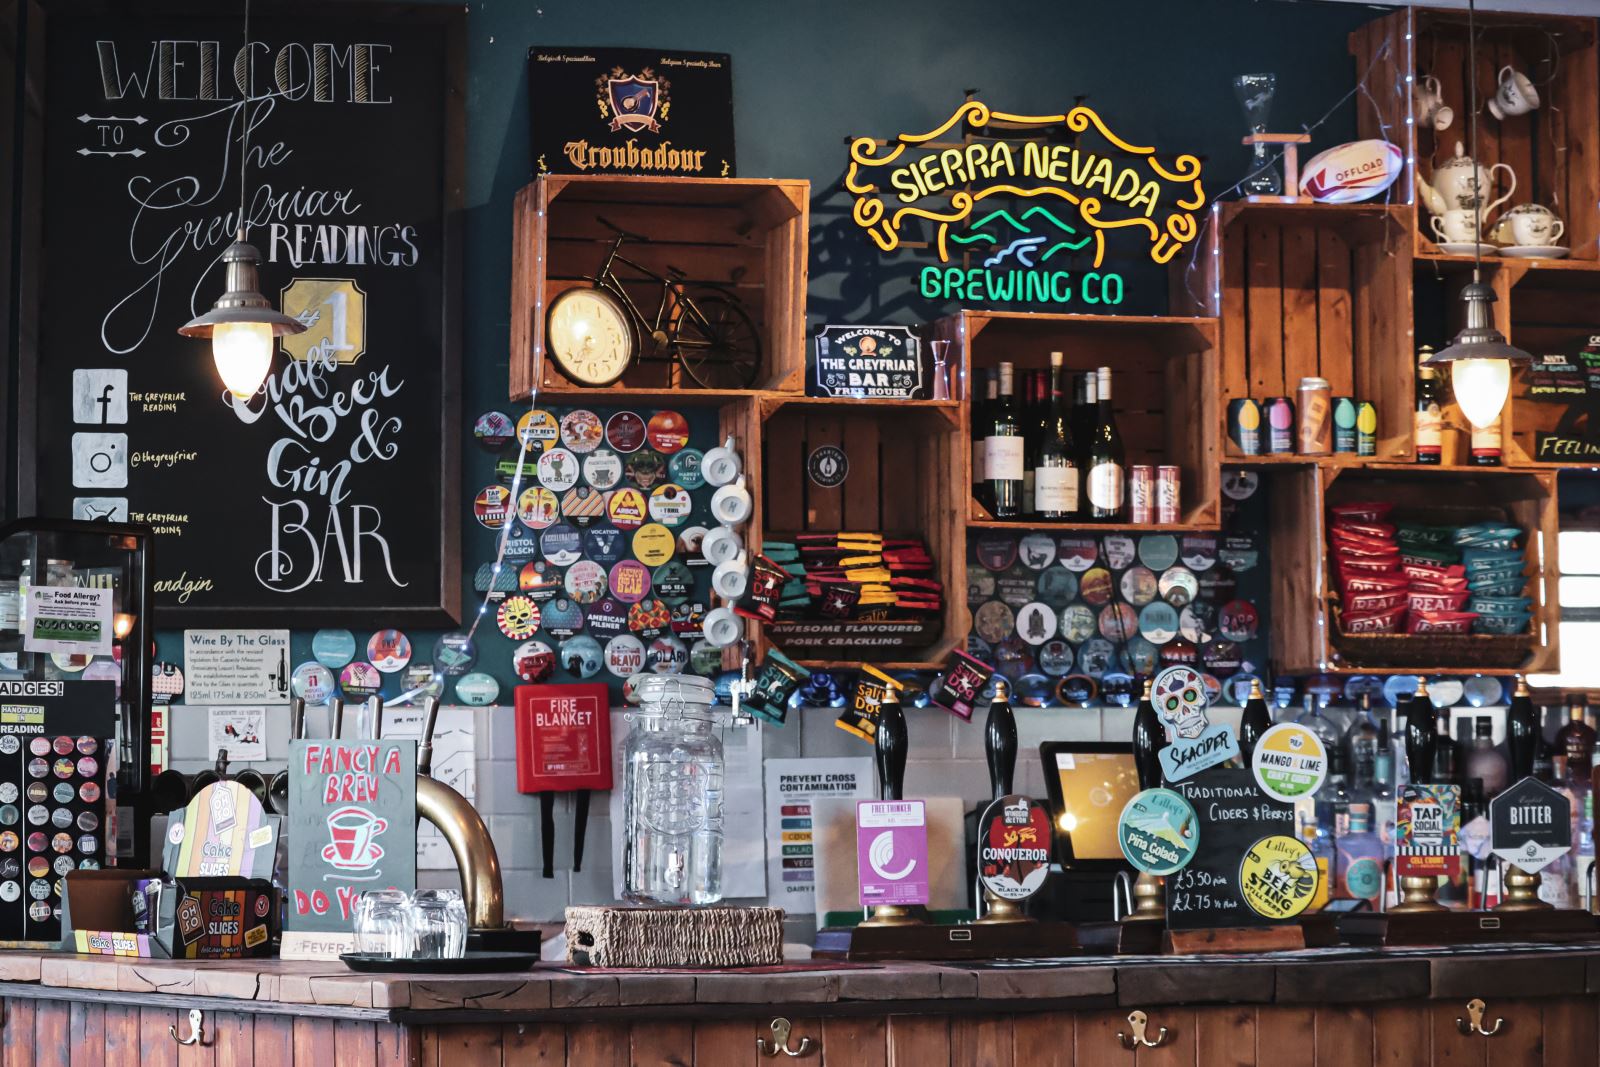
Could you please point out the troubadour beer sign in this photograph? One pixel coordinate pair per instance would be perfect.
(1022, 207)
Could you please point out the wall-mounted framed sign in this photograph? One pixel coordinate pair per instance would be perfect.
(1008, 212)
(333, 493)
(867, 362)
(667, 114)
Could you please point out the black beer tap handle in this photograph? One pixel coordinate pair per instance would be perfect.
(890, 747)
(1000, 743)
(1421, 738)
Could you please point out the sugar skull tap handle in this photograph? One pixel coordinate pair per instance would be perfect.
(890, 745)
(1000, 743)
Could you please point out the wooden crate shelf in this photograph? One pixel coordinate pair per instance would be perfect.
(906, 478)
(747, 235)
(1164, 385)
(1305, 641)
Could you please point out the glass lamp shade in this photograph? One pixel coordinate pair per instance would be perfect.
(242, 324)
(1481, 387)
(243, 354)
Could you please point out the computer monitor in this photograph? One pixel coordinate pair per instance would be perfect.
(1089, 784)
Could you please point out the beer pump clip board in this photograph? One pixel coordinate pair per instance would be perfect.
(352, 829)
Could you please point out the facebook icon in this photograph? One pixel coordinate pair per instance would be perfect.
(100, 397)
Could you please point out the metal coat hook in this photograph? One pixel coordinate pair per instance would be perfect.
(780, 1041)
(197, 1033)
(1473, 1024)
(1137, 1021)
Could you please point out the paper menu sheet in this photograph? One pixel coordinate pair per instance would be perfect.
(236, 666)
(454, 764)
(792, 785)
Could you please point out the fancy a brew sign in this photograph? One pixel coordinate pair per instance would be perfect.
(1011, 217)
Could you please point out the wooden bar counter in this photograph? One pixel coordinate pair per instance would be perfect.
(1341, 1006)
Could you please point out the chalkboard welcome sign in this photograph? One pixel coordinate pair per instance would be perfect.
(333, 492)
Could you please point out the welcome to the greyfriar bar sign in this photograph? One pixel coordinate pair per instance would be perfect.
(334, 489)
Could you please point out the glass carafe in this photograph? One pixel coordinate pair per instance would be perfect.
(672, 796)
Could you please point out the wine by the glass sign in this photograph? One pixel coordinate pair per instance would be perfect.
(1012, 214)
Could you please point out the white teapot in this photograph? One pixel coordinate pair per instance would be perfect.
(1452, 184)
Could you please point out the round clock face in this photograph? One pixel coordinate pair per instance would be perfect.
(589, 336)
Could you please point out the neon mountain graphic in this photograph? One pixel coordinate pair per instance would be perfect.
(1031, 241)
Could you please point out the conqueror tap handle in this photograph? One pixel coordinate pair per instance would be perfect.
(890, 747)
(1000, 743)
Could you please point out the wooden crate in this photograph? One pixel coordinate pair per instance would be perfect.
(906, 478)
(1317, 291)
(1549, 311)
(1552, 149)
(1164, 389)
(1304, 638)
(748, 235)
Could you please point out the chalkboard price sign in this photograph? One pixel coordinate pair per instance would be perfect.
(1232, 815)
(332, 492)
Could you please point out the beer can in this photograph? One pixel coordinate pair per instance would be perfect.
(1141, 494)
(1344, 424)
(1315, 436)
(1366, 429)
(1278, 414)
(1167, 494)
(1244, 425)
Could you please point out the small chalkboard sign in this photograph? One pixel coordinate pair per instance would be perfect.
(1232, 815)
(352, 829)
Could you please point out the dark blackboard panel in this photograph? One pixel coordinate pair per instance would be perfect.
(335, 496)
(1232, 814)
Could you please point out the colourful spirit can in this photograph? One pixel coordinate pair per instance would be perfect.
(1167, 494)
(1344, 424)
(1141, 494)
(1278, 414)
(1244, 425)
(1366, 429)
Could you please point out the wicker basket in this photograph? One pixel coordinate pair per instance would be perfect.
(674, 937)
(1424, 651)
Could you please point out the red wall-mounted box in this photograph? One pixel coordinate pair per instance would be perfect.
(563, 738)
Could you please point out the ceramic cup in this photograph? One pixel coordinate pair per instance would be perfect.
(731, 505)
(732, 577)
(720, 545)
(1431, 109)
(1456, 226)
(1515, 96)
(1528, 225)
(721, 465)
(721, 627)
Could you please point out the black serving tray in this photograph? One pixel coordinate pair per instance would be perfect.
(471, 963)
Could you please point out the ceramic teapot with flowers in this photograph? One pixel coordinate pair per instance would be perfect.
(1452, 185)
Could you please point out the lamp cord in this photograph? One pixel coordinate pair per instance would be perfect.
(244, 113)
(1472, 90)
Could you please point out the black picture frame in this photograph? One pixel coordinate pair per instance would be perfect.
(28, 22)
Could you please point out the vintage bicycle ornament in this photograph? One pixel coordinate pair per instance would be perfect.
(596, 330)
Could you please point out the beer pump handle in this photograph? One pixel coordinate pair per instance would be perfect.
(580, 827)
(297, 718)
(1522, 732)
(336, 723)
(430, 707)
(547, 832)
(222, 764)
(1000, 744)
(890, 745)
(1420, 739)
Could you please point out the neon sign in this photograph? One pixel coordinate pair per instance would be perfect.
(1079, 195)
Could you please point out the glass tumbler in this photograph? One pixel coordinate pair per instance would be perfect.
(439, 917)
(383, 925)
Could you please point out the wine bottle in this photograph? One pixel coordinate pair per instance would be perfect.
(1033, 416)
(1428, 421)
(1486, 445)
(1055, 466)
(1003, 461)
(1255, 721)
(1104, 471)
(980, 433)
(1149, 738)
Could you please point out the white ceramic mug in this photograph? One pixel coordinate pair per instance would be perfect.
(1529, 225)
(1515, 96)
(720, 545)
(721, 627)
(732, 577)
(731, 505)
(1456, 226)
(721, 465)
(1431, 109)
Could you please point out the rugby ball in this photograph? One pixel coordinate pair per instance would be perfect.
(1350, 172)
